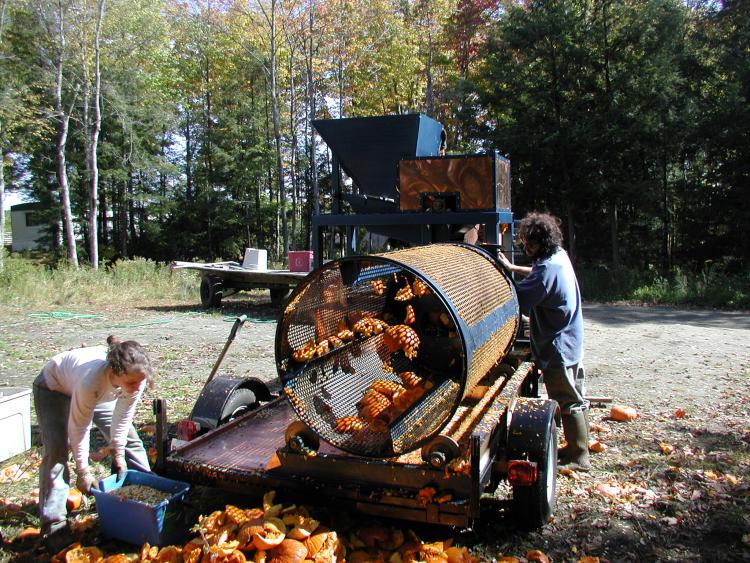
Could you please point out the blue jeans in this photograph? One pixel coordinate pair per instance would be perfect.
(567, 386)
(52, 411)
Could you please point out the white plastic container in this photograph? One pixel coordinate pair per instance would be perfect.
(255, 259)
(15, 421)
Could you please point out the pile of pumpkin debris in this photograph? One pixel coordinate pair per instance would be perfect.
(281, 533)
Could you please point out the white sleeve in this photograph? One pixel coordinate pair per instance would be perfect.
(82, 405)
(122, 417)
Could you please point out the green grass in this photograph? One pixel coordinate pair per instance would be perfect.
(712, 287)
(30, 282)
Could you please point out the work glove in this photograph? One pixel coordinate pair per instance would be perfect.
(86, 482)
(119, 466)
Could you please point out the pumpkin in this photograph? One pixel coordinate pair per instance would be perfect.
(75, 498)
(621, 413)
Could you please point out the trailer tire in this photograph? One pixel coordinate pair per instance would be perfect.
(239, 402)
(533, 505)
(212, 290)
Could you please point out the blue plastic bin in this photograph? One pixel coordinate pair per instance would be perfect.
(137, 523)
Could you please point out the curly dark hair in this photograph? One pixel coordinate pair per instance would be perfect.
(542, 229)
(128, 356)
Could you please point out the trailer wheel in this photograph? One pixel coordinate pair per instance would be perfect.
(239, 402)
(211, 292)
(533, 504)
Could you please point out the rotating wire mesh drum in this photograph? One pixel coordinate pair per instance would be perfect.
(377, 352)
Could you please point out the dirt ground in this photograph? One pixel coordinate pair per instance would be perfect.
(673, 485)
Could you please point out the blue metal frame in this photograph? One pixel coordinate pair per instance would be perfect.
(491, 219)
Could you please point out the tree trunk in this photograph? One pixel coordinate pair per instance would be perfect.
(188, 157)
(122, 214)
(2, 155)
(62, 137)
(2, 194)
(293, 151)
(614, 228)
(313, 144)
(277, 132)
(95, 129)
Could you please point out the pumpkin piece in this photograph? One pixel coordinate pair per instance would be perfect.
(349, 424)
(272, 535)
(386, 387)
(74, 500)
(169, 554)
(28, 534)
(363, 326)
(378, 286)
(335, 342)
(322, 348)
(120, 558)
(84, 555)
(402, 337)
(537, 556)
(235, 557)
(420, 289)
(404, 294)
(260, 557)
(315, 542)
(410, 379)
(296, 402)
(289, 551)
(596, 446)
(621, 413)
(345, 335)
(304, 353)
(410, 317)
(247, 531)
(456, 554)
(236, 515)
(148, 552)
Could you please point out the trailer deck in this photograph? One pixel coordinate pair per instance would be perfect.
(251, 453)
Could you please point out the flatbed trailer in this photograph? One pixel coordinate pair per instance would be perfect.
(221, 279)
(500, 432)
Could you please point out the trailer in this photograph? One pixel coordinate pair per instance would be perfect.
(405, 386)
(222, 279)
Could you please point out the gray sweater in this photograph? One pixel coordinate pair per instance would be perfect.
(550, 295)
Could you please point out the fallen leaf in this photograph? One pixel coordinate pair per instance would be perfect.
(665, 448)
(568, 472)
(608, 490)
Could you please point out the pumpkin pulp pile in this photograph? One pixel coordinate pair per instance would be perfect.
(278, 533)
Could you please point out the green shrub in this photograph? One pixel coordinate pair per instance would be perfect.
(713, 286)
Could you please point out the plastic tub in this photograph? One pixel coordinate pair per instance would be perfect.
(137, 523)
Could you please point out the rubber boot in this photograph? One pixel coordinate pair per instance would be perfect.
(575, 455)
(568, 450)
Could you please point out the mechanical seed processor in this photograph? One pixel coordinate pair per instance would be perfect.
(401, 392)
(404, 388)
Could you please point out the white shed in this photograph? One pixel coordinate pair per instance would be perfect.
(26, 226)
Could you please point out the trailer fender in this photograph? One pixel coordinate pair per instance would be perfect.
(532, 436)
(224, 398)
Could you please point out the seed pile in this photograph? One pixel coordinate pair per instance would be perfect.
(142, 493)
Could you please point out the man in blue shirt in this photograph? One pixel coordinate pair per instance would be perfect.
(549, 294)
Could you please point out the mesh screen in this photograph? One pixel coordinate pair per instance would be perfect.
(377, 352)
